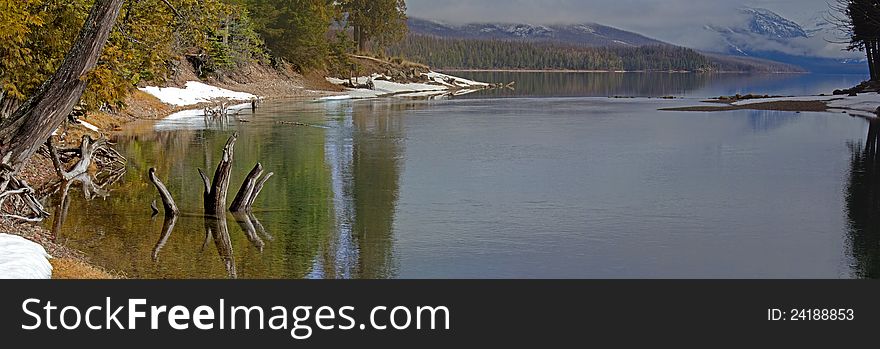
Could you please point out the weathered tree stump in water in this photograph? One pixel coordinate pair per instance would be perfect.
(215, 191)
(250, 189)
(171, 209)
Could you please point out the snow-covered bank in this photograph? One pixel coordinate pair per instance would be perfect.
(195, 93)
(21, 258)
(437, 84)
(864, 104)
(193, 119)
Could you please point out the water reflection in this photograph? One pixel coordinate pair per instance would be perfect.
(561, 84)
(378, 157)
(766, 120)
(567, 187)
(167, 227)
(863, 206)
(327, 212)
(364, 147)
(218, 230)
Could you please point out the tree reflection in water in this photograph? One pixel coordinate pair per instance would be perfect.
(364, 149)
(330, 207)
(218, 230)
(863, 205)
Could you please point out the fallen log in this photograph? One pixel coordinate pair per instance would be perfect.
(19, 198)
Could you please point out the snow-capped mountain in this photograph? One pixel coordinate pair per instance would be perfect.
(762, 33)
(769, 24)
(590, 34)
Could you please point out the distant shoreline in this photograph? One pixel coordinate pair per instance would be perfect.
(604, 71)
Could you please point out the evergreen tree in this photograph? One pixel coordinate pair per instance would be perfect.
(380, 22)
(506, 54)
(295, 30)
(861, 19)
(146, 37)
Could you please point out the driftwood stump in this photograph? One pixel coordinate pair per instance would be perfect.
(215, 191)
(171, 209)
(250, 189)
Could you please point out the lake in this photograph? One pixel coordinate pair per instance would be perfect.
(552, 179)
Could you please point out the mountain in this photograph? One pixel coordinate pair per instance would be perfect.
(764, 34)
(586, 34)
(769, 24)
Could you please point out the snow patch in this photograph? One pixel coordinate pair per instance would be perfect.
(193, 119)
(195, 93)
(438, 84)
(21, 258)
(89, 126)
(785, 99)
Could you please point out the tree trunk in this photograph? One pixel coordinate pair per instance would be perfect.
(22, 134)
(875, 60)
(8, 105)
(361, 38)
(869, 53)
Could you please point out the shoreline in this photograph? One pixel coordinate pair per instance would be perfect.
(454, 70)
(863, 105)
(144, 107)
(150, 104)
(141, 107)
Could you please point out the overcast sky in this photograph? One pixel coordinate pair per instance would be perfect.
(669, 20)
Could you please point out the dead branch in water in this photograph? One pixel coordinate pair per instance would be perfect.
(250, 189)
(247, 188)
(171, 209)
(91, 155)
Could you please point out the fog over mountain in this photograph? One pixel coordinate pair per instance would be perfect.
(705, 25)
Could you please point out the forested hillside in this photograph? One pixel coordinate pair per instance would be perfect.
(453, 53)
(152, 37)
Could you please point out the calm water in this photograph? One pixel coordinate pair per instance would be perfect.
(549, 183)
